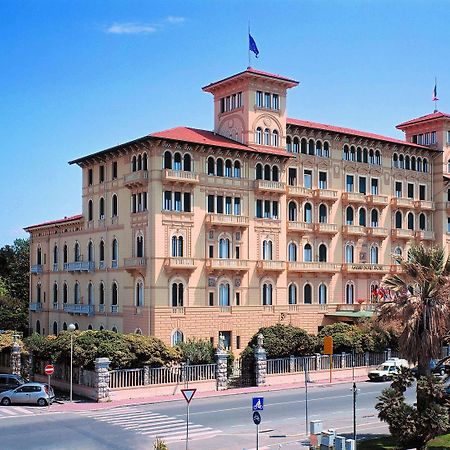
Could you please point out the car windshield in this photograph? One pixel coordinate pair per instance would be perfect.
(383, 368)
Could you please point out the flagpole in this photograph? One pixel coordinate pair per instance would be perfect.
(248, 43)
(435, 97)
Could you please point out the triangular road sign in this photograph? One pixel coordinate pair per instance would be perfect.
(188, 394)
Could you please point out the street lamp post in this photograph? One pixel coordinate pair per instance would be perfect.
(71, 328)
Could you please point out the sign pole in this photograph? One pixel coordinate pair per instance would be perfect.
(306, 394)
(257, 437)
(187, 394)
(331, 367)
(187, 425)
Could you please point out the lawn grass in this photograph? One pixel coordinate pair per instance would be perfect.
(387, 443)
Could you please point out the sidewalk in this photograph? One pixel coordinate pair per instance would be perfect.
(87, 405)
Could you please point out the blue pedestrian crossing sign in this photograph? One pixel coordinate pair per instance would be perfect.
(258, 403)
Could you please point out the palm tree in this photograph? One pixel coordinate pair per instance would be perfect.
(418, 302)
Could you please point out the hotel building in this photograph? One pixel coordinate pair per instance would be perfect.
(191, 233)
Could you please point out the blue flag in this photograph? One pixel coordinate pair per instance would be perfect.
(252, 45)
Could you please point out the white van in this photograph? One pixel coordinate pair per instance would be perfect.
(385, 371)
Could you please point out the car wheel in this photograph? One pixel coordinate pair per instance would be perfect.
(384, 378)
(442, 372)
(6, 401)
(42, 402)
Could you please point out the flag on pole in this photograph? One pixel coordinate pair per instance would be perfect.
(252, 45)
(435, 97)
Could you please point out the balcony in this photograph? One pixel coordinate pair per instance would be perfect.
(37, 268)
(228, 220)
(325, 228)
(353, 197)
(300, 227)
(424, 235)
(227, 264)
(299, 191)
(35, 307)
(134, 263)
(400, 233)
(79, 266)
(136, 179)
(354, 230)
(179, 263)
(270, 186)
(270, 266)
(423, 205)
(76, 308)
(377, 200)
(399, 202)
(326, 194)
(356, 307)
(365, 268)
(179, 176)
(323, 267)
(377, 231)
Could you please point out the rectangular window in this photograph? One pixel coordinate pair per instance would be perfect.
(292, 177)
(259, 208)
(210, 203)
(422, 192)
(398, 188)
(410, 190)
(144, 201)
(168, 200)
(222, 104)
(307, 179)
(177, 202)
(267, 209)
(448, 224)
(322, 180)
(90, 177)
(275, 101)
(374, 186)
(237, 206)
(275, 210)
(259, 99)
(187, 201)
(211, 300)
(448, 137)
(414, 139)
(238, 298)
(114, 170)
(219, 208)
(101, 174)
(237, 253)
(267, 100)
(239, 100)
(233, 101)
(362, 185)
(227, 104)
(238, 342)
(211, 251)
(228, 205)
(433, 137)
(349, 183)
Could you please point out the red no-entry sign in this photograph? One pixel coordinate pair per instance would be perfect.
(49, 369)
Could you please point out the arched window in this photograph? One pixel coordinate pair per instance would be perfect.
(39, 256)
(258, 136)
(228, 168)
(397, 255)
(65, 293)
(76, 252)
(395, 160)
(401, 162)
(139, 294)
(292, 211)
(38, 327)
(413, 163)
(65, 326)
(167, 160)
(187, 162)
(326, 149)
(307, 294)
(76, 293)
(266, 136)
(259, 171)
(358, 154)
(377, 158)
(349, 293)
(275, 139)
(55, 255)
(374, 218)
(267, 250)
(322, 253)
(90, 251)
(219, 167)
(177, 338)
(55, 328)
(177, 294)
(419, 164)
(38, 293)
(307, 216)
(296, 145)
(275, 173)
(114, 252)
(304, 146)
(89, 327)
(349, 215)
(224, 248)
(139, 162)
(114, 294)
(101, 208)
(114, 329)
(307, 253)
(410, 220)
(374, 254)
(237, 169)
(322, 294)
(267, 291)
(267, 171)
(133, 164)
(352, 153)
(114, 206)
(101, 251)
(323, 214)
(90, 210)
(362, 217)
(101, 295)
(345, 153)
(311, 147)
(177, 246)
(65, 254)
(349, 253)
(224, 294)
(139, 246)
(422, 222)
(398, 220)
(371, 157)
(288, 144)
(407, 164)
(318, 148)
(144, 161)
(292, 292)
(292, 251)
(55, 292)
(425, 164)
(90, 293)
(211, 166)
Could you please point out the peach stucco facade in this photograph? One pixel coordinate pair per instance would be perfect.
(189, 233)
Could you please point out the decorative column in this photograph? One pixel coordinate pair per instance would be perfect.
(146, 375)
(222, 365)
(260, 362)
(101, 382)
(16, 364)
(343, 361)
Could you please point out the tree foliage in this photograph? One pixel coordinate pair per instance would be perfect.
(197, 351)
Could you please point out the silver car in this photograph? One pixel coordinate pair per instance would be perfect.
(30, 393)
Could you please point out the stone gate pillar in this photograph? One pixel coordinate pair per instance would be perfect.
(16, 364)
(222, 365)
(101, 382)
(260, 362)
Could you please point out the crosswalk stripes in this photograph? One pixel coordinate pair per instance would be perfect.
(151, 424)
(14, 411)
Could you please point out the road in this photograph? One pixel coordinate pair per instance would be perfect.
(219, 423)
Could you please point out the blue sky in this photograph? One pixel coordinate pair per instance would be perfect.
(80, 76)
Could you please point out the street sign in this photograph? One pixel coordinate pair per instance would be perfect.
(188, 394)
(49, 369)
(258, 403)
(256, 418)
(328, 345)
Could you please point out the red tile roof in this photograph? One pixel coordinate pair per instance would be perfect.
(433, 116)
(205, 137)
(55, 222)
(251, 70)
(335, 129)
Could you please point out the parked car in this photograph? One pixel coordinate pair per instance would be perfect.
(432, 365)
(442, 366)
(388, 369)
(9, 381)
(31, 393)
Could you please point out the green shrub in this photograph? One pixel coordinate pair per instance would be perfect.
(197, 351)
